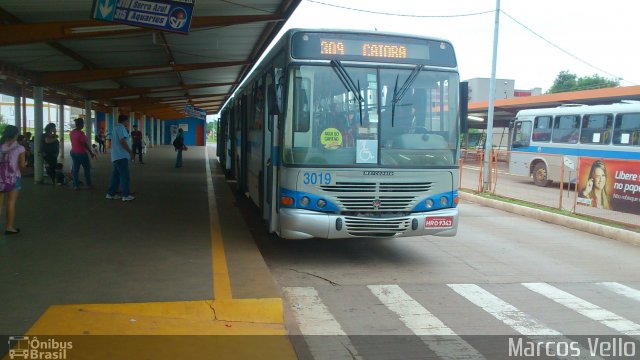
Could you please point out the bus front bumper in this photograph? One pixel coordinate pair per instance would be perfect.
(305, 224)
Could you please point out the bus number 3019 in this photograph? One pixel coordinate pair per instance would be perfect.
(317, 178)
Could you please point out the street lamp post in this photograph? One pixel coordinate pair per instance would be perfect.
(492, 96)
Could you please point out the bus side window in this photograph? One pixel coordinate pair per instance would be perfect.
(596, 129)
(627, 130)
(566, 129)
(542, 129)
(301, 111)
(521, 134)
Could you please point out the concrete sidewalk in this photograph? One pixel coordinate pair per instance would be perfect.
(168, 263)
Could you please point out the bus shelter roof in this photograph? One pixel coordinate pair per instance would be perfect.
(505, 110)
(56, 45)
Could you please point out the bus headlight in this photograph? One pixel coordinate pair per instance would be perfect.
(428, 203)
(321, 203)
(304, 201)
(444, 200)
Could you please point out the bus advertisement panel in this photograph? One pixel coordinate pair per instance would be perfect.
(610, 184)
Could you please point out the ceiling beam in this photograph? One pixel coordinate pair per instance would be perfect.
(63, 77)
(112, 93)
(164, 100)
(15, 34)
(285, 10)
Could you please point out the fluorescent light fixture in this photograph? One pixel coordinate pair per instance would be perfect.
(157, 69)
(174, 101)
(127, 97)
(175, 88)
(475, 118)
(98, 29)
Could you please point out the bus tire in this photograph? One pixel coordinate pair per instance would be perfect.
(540, 177)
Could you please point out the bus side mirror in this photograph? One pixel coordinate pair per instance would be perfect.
(464, 107)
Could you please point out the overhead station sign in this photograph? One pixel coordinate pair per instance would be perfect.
(165, 15)
(195, 112)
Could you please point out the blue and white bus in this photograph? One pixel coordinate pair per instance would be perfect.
(343, 134)
(545, 139)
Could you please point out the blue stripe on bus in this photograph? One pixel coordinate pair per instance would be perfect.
(297, 195)
(422, 207)
(608, 154)
(330, 207)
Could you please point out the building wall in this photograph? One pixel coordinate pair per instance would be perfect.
(190, 124)
(505, 89)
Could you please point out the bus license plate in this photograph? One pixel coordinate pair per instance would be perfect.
(438, 222)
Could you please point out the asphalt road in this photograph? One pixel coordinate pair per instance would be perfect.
(503, 275)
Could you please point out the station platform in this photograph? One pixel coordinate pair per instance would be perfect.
(178, 260)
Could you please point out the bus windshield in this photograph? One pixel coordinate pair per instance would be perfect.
(400, 118)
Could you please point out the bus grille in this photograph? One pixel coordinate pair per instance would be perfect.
(350, 187)
(348, 195)
(366, 203)
(405, 187)
(376, 227)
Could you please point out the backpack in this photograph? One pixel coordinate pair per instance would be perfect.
(178, 142)
(8, 176)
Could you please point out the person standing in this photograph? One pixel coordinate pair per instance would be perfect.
(120, 156)
(12, 159)
(80, 151)
(50, 150)
(102, 140)
(136, 142)
(178, 144)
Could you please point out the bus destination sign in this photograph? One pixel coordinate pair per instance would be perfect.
(366, 49)
(165, 15)
(361, 47)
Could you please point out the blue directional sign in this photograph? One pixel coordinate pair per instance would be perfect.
(195, 112)
(166, 15)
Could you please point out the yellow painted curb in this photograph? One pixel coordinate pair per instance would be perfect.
(166, 347)
(216, 317)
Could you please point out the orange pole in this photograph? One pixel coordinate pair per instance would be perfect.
(575, 187)
(561, 183)
(481, 175)
(495, 174)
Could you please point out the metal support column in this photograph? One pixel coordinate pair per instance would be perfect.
(61, 129)
(16, 110)
(88, 121)
(38, 129)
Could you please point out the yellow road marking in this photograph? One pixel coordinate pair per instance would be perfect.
(221, 316)
(221, 281)
(225, 317)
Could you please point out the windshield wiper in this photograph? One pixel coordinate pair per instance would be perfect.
(348, 83)
(398, 95)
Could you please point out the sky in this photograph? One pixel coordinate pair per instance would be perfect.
(597, 32)
(537, 38)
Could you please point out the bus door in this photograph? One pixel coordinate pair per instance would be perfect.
(270, 163)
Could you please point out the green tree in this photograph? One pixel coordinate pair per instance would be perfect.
(566, 81)
(2, 124)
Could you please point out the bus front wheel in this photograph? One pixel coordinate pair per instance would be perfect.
(540, 174)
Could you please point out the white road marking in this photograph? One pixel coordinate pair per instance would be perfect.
(436, 335)
(502, 310)
(313, 318)
(622, 290)
(586, 308)
(516, 319)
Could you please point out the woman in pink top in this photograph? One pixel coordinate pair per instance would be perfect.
(79, 149)
(12, 159)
